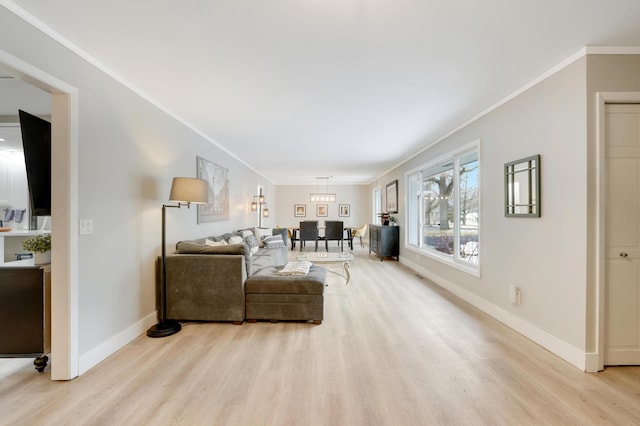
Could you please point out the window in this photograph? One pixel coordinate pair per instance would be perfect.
(443, 208)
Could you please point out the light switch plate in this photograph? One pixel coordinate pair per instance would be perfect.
(86, 226)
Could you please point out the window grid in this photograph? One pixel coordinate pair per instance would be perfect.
(444, 218)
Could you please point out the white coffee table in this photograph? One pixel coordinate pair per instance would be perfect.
(343, 257)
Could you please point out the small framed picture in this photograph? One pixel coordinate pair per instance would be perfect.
(344, 210)
(300, 210)
(322, 210)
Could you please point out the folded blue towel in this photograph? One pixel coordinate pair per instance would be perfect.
(8, 215)
(19, 215)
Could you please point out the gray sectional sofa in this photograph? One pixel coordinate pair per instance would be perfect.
(206, 283)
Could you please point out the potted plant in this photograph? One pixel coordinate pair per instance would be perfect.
(384, 217)
(392, 221)
(40, 245)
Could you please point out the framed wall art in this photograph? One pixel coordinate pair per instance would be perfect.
(217, 178)
(392, 197)
(300, 210)
(344, 210)
(322, 210)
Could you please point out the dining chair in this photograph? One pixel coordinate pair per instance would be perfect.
(360, 232)
(308, 232)
(333, 231)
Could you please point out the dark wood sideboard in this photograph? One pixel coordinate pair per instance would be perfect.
(384, 241)
(25, 312)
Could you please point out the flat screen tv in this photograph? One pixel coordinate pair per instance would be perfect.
(36, 143)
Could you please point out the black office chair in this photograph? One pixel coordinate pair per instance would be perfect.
(334, 231)
(308, 232)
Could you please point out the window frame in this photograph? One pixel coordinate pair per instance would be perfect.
(454, 260)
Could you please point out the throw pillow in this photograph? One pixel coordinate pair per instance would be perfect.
(245, 232)
(252, 242)
(212, 243)
(273, 241)
(260, 233)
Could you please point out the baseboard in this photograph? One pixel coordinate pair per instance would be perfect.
(105, 349)
(562, 349)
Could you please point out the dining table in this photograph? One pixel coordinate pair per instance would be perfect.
(348, 235)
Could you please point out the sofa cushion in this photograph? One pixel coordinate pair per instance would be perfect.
(278, 256)
(260, 261)
(263, 257)
(268, 281)
(189, 247)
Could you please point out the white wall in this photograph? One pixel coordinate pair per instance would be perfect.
(545, 257)
(129, 151)
(357, 196)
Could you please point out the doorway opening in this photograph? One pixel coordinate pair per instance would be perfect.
(64, 213)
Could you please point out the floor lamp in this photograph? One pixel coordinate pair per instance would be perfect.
(184, 191)
(257, 206)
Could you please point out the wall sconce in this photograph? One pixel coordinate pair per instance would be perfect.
(260, 205)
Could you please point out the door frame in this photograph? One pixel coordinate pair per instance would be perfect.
(602, 98)
(64, 213)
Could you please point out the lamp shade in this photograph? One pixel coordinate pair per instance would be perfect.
(189, 190)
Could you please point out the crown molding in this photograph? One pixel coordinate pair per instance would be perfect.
(612, 50)
(587, 50)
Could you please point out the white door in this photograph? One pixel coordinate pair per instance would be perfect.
(622, 322)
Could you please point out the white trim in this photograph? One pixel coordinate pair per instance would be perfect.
(64, 168)
(603, 98)
(562, 349)
(32, 75)
(94, 356)
(592, 362)
(613, 50)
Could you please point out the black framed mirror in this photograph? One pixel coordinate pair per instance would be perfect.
(522, 187)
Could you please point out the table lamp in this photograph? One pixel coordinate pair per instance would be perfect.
(184, 191)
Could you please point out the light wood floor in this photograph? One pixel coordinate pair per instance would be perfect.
(394, 349)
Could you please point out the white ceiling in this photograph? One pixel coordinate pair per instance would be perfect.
(346, 88)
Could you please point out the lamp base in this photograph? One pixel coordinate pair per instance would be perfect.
(164, 329)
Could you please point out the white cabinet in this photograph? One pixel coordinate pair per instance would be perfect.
(14, 190)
